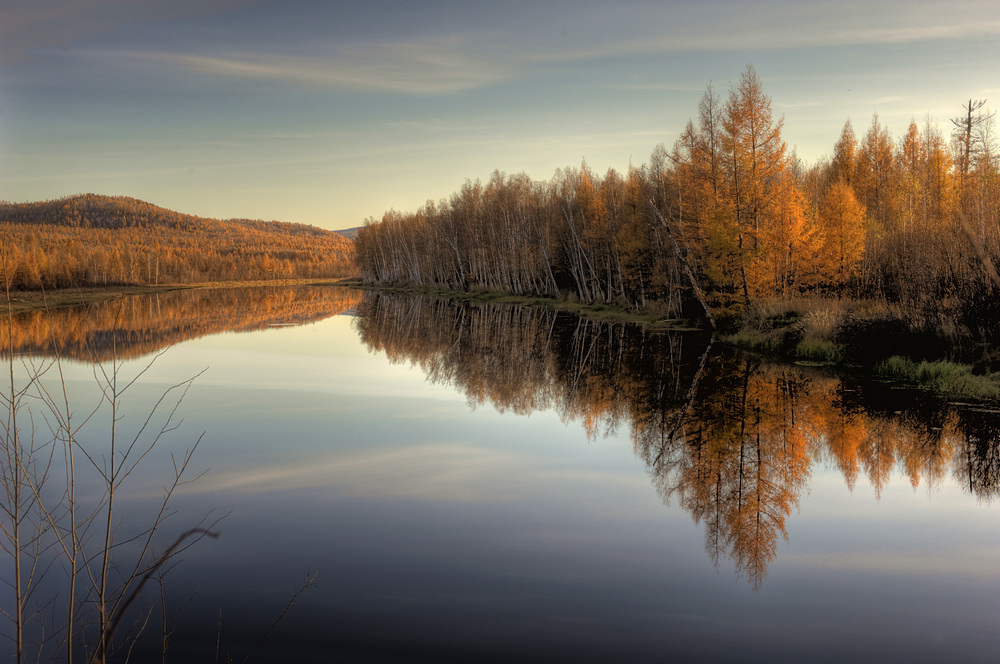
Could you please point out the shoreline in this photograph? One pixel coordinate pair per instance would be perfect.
(870, 338)
(848, 336)
(21, 301)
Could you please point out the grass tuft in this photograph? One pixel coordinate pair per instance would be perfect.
(819, 351)
(954, 381)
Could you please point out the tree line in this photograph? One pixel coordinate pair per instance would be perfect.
(728, 216)
(92, 240)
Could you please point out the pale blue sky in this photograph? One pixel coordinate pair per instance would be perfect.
(329, 112)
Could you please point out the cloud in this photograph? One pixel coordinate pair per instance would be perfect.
(793, 105)
(431, 60)
(443, 471)
(936, 28)
(616, 30)
(431, 67)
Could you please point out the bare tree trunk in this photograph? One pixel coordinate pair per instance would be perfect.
(687, 268)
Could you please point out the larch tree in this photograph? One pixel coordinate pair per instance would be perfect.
(875, 174)
(845, 155)
(790, 241)
(842, 219)
(876, 187)
(754, 165)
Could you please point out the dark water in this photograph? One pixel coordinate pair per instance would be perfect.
(483, 483)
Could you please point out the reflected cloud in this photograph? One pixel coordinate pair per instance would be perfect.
(729, 438)
(452, 472)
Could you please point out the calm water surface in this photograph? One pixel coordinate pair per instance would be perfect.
(477, 483)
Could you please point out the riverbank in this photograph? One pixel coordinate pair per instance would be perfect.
(876, 338)
(869, 337)
(609, 313)
(860, 336)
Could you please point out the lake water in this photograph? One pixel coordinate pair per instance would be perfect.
(486, 483)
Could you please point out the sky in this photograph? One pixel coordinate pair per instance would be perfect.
(331, 112)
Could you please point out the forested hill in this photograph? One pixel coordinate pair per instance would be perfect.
(93, 240)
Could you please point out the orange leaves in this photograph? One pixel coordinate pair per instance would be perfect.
(749, 214)
(842, 219)
(788, 243)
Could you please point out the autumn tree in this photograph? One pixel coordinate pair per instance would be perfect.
(845, 156)
(874, 187)
(706, 230)
(842, 219)
(759, 198)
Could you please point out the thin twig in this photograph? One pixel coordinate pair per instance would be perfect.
(309, 582)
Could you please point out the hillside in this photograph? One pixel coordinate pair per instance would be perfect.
(93, 240)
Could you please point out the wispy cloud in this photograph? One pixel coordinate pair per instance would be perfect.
(882, 101)
(436, 471)
(889, 35)
(696, 27)
(430, 67)
(432, 62)
(444, 471)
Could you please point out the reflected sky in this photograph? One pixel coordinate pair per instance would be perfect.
(445, 532)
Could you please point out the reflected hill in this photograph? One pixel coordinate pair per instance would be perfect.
(141, 324)
(731, 438)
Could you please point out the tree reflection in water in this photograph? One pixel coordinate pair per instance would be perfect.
(732, 438)
(141, 324)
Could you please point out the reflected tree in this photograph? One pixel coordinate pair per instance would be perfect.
(733, 439)
(976, 464)
(143, 324)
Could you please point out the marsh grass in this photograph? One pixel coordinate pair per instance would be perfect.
(819, 330)
(950, 380)
(767, 342)
(819, 351)
(824, 331)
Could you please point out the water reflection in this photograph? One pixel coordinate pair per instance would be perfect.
(143, 324)
(731, 438)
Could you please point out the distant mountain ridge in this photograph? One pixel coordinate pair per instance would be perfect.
(97, 240)
(349, 233)
(112, 212)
